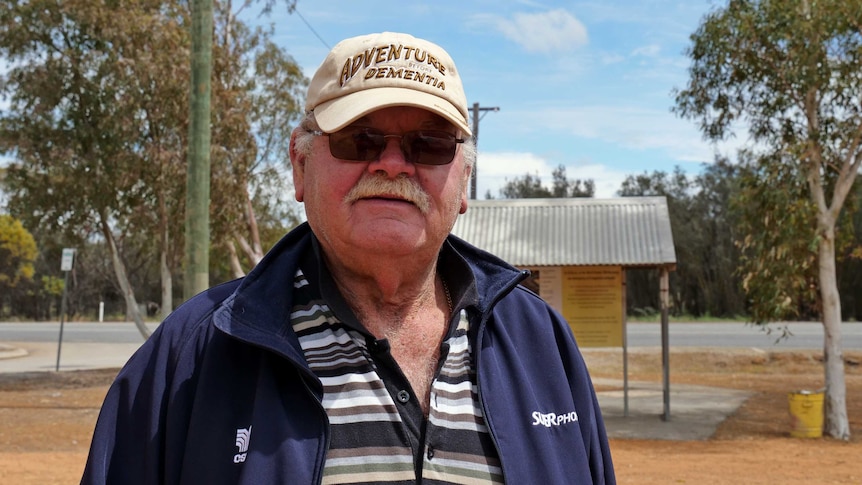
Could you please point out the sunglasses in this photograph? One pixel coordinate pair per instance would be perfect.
(426, 147)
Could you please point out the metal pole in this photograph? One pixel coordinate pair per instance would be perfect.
(665, 342)
(474, 175)
(625, 351)
(62, 319)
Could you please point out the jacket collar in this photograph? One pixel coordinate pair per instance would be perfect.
(258, 311)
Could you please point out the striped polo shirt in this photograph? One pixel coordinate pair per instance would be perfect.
(378, 431)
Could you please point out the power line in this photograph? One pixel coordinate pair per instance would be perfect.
(296, 10)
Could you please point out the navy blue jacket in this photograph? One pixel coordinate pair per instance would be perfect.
(228, 359)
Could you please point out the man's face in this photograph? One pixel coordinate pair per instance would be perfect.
(356, 207)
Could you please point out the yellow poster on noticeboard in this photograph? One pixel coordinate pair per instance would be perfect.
(592, 304)
(589, 298)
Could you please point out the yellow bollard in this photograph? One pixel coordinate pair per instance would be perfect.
(806, 414)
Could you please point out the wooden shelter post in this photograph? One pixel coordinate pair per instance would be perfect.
(664, 285)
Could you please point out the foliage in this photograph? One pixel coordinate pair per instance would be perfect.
(779, 268)
(255, 116)
(97, 126)
(530, 187)
(789, 71)
(17, 253)
(719, 185)
(850, 270)
(52, 285)
(703, 283)
(87, 92)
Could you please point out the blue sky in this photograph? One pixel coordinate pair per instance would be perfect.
(584, 84)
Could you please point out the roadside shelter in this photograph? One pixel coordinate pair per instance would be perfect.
(579, 250)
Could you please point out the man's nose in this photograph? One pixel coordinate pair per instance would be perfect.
(392, 160)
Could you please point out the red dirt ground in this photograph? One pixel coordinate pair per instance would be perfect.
(46, 421)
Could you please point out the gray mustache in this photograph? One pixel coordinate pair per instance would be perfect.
(401, 187)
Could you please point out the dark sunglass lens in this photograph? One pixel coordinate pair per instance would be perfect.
(358, 144)
(429, 148)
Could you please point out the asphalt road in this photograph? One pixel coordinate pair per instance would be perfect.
(77, 332)
(804, 335)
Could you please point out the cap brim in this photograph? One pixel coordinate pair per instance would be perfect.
(337, 113)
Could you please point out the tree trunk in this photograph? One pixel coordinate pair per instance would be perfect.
(235, 265)
(167, 305)
(120, 271)
(255, 251)
(836, 423)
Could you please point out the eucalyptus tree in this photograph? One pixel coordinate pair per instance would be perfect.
(97, 125)
(197, 218)
(850, 271)
(717, 186)
(71, 124)
(257, 90)
(685, 282)
(529, 186)
(788, 72)
(703, 223)
(565, 187)
(778, 267)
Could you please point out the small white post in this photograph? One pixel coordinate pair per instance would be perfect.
(101, 311)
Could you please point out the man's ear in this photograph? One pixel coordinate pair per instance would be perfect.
(297, 161)
(465, 193)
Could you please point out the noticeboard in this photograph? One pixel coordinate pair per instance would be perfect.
(589, 298)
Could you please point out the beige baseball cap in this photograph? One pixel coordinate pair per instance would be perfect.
(370, 72)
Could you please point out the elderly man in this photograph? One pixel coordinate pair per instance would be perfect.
(369, 346)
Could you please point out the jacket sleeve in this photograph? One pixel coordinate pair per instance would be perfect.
(145, 412)
(126, 446)
(592, 429)
(549, 427)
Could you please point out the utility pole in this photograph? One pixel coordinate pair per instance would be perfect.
(197, 246)
(476, 110)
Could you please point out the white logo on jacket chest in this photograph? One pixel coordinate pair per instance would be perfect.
(553, 419)
(243, 437)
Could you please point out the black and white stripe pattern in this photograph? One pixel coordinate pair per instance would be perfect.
(369, 443)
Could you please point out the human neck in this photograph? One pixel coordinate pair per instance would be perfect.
(410, 307)
(387, 297)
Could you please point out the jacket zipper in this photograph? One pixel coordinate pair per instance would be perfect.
(483, 320)
(327, 432)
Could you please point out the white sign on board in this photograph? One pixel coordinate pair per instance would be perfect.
(68, 259)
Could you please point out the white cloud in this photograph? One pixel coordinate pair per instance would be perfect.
(607, 180)
(651, 50)
(497, 168)
(633, 128)
(611, 58)
(546, 32)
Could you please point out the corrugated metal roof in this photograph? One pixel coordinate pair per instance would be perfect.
(627, 231)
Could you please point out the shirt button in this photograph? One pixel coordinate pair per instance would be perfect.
(430, 452)
(403, 396)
